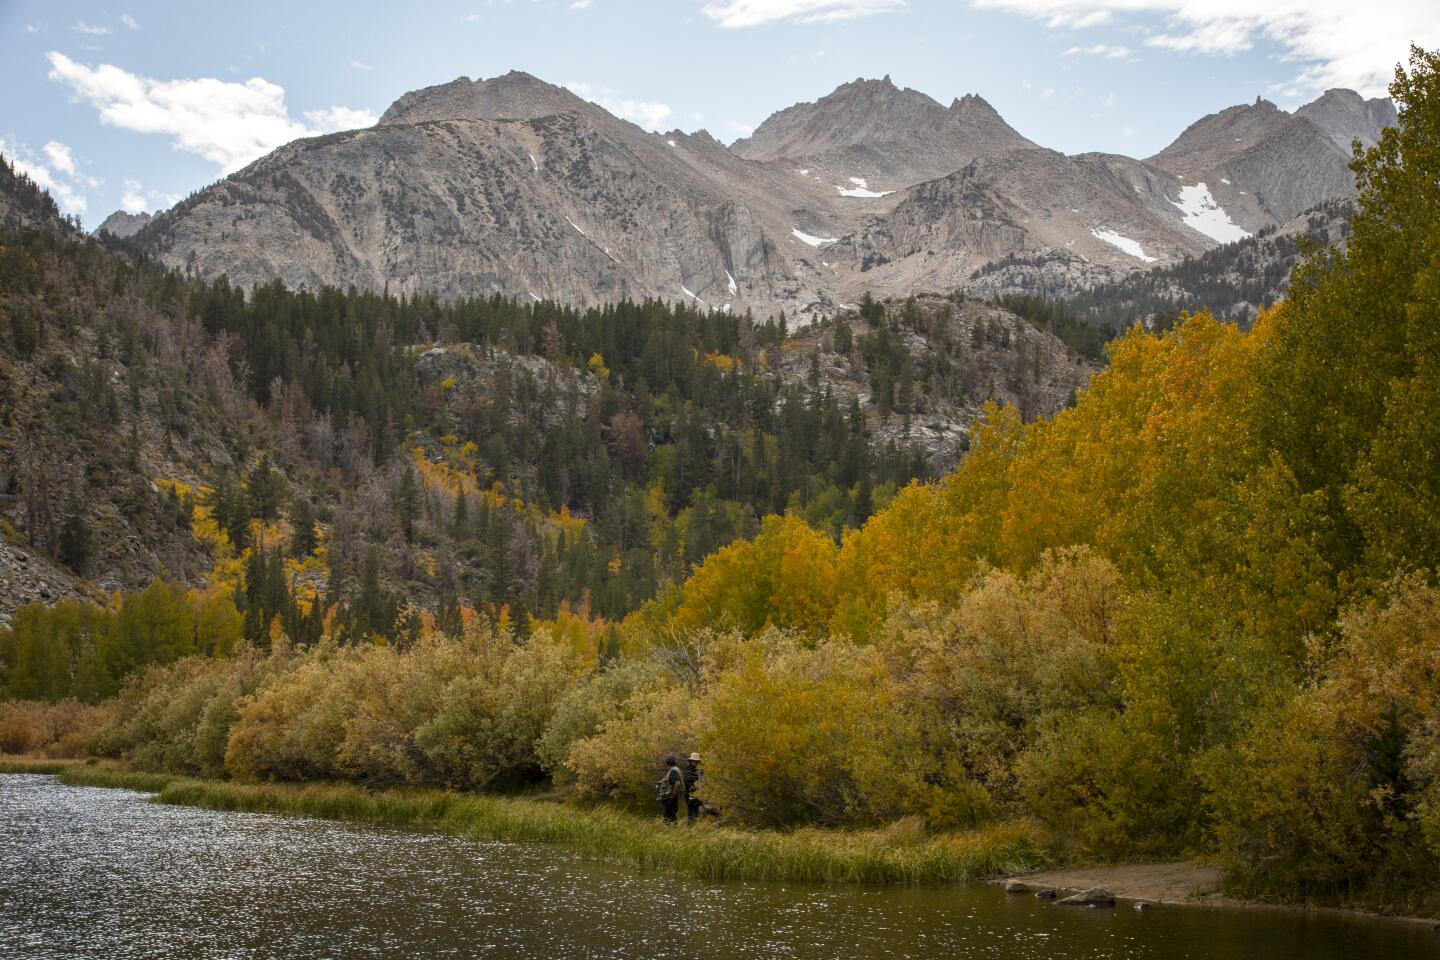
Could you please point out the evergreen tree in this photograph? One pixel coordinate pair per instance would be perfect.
(265, 490)
(407, 503)
(75, 541)
(302, 518)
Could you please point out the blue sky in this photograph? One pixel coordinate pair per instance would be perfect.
(140, 103)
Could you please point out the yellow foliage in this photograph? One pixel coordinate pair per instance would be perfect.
(723, 362)
(785, 578)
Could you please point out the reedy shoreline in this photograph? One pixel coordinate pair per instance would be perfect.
(898, 854)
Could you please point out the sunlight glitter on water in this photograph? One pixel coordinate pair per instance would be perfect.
(86, 872)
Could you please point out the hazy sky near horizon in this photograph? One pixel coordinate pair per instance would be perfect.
(137, 104)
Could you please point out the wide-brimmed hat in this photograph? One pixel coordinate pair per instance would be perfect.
(695, 757)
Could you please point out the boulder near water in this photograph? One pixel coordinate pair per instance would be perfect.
(1094, 897)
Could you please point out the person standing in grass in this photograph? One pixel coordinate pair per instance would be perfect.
(692, 781)
(672, 789)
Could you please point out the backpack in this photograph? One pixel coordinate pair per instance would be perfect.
(665, 791)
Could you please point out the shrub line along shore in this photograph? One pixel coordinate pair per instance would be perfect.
(899, 854)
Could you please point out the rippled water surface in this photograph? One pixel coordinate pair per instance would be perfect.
(86, 872)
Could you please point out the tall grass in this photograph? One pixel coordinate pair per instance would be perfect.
(17, 764)
(903, 853)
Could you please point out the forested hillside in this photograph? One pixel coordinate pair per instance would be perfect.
(363, 465)
(1194, 613)
(1234, 282)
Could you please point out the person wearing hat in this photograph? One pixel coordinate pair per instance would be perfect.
(672, 788)
(692, 780)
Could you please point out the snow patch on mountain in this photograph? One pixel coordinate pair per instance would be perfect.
(1202, 213)
(1131, 247)
(861, 188)
(813, 241)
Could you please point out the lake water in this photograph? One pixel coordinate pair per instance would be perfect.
(88, 872)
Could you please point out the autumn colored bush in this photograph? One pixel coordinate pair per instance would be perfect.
(292, 727)
(64, 728)
(1334, 792)
(591, 701)
(796, 734)
(487, 724)
(623, 759)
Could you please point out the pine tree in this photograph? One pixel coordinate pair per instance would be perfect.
(407, 503)
(447, 614)
(75, 541)
(265, 490)
(372, 613)
(302, 519)
(460, 519)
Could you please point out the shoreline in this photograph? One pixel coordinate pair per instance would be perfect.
(895, 855)
(891, 856)
(1180, 884)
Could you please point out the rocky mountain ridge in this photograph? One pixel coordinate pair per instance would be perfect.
(124, 224)
(517, 187)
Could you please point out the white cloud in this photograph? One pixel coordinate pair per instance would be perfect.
(1077, 21)
(138, 200)
(229, 124)
(1340, 43)
(340, 118)
(360, 65)
(1100, 50)
(59, 175)
(133, 201)
(752, 13)
(1218, 38)
(60, 157)
(90, 29)
(652, 115)
(129, 21)
(580, 5)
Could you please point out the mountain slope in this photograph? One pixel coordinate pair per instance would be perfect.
(561, 207)
(1263, 165)
(517, 454)
(1348, 117)
(873, 131)
(515, 187)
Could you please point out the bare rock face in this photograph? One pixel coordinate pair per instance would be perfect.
(1096, 214)
(1348, 117)
(122, 224)
(515, 96)
(27, 577)
(517, 187)
(1265, 166)
(873, 131)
